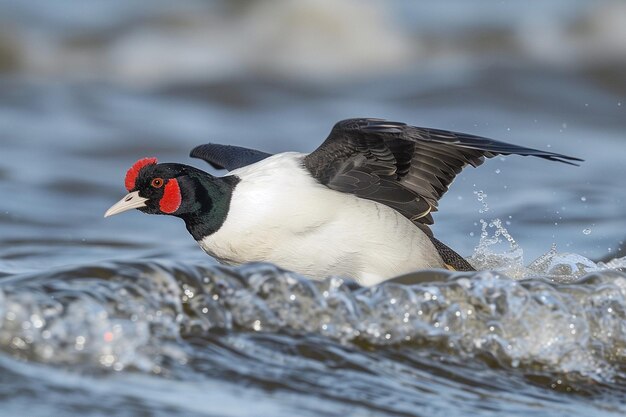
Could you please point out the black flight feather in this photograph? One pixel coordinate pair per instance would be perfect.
(405, 167)
(227, 156)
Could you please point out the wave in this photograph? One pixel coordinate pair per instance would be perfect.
(141, 315)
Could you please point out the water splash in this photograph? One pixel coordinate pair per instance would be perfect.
(137, 315)
(497, 250)
(613, 264)
(489, 253)
(97, 317)
(481, 196)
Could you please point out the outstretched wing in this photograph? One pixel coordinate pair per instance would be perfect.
(405, 167)
(227, 156)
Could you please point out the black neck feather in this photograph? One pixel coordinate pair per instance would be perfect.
(209, 205)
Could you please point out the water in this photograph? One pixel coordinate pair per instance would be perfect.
(128, 316)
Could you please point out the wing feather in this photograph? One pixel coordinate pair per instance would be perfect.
(405, 167)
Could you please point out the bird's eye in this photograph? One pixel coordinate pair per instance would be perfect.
(157, 182)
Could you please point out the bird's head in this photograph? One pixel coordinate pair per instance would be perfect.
(153, 188)
(195, 196)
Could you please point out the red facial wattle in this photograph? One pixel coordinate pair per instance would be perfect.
(170, 202)
(133, 172)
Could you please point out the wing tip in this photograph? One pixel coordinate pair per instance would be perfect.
(202, 152)
(195, 152)
(198, 152)
(556, 157)
(227, 157)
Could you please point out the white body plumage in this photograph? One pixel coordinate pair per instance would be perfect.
(279, 213)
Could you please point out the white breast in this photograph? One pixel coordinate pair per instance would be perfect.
(280, 214)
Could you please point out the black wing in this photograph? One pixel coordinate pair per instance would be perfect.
(405, 167)
(227, 156)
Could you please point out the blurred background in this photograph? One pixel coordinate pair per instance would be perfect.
(127, 316)
(87, 88)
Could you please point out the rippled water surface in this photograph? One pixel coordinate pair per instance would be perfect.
(127, 316)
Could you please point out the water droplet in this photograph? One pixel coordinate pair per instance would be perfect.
(481, 197)
(587, 231)
(583, 198)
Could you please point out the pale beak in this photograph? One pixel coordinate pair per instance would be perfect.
(131, 201)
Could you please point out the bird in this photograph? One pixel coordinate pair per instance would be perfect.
(359, 206)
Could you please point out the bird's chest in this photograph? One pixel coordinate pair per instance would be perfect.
(292, 238)
(239, 245)
(314, 250)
